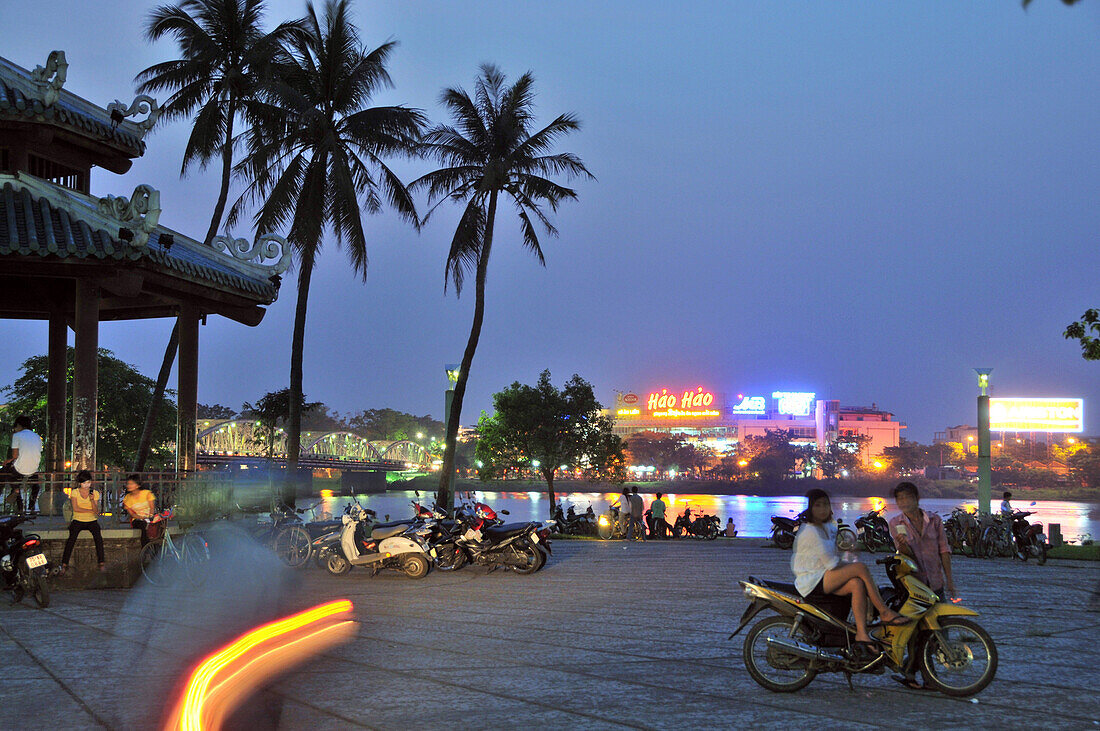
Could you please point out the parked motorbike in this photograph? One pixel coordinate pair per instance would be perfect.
(963, 532)
(571, 524)
(379, 547)
(704, 526)
(874, 531)
(997, 539)
(1031, 542)
(23, 566)
(784, 528)
(805, 637)
(512, 545)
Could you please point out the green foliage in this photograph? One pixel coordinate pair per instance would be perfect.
(667, 452)
(841, 455)
(1087, 331)
(392, 424)
(1084, 465)
(772, 456)
(554, 428)
(215, 411)
(270, 410)
(124, 398)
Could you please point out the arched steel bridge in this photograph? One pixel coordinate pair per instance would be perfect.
(241, 439)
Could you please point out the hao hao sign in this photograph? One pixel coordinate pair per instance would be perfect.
(678, 405)
(1037, 414)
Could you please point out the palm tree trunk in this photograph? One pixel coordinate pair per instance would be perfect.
(549, 474)
(294, 409)
(158, 397)
(451, 440)
(227, 170)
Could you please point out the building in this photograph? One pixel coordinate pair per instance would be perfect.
(720, 421)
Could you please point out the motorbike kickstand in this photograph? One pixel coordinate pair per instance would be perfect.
(848, 677)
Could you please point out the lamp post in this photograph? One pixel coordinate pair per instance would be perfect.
(452, 378)
(985, 473)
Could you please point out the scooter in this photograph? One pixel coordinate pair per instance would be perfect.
(23, 565)
(806, 636)
(379, 547)
(784, 528)
(874, 531)
(1031, 542)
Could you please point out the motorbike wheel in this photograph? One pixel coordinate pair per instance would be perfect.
(415, 566)
(969, 663)
(677, 531)
(39, 590)
(449, 559)
(868, 541)
(766, 664)
(1039, 550)
(606, 531)
(712, 532)
(293, 546)
(545, 556)
(783, 539)
(321, 557)
(529, 557)
(336, 564)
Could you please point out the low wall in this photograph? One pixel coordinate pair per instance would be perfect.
(121, 548)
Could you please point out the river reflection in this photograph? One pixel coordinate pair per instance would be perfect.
(751, 514)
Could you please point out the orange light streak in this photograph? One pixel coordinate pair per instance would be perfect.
(195, 711)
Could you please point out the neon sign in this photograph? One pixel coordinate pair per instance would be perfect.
(751, 405)
(1037, 414)
(794, 403)
(689, 399)
(680, 414)
(628, 412)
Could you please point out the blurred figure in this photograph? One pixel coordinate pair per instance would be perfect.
(657, 508)
(139, 504)
(731, 529)
(637, 508)
(26, 456)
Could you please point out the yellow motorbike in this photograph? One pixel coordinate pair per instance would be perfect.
(784, 652)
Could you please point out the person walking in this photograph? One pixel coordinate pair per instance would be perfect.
(85, 503)
(657, 510)
(623, 506)
(637, 508)
(920, 535)
(139, 504)
(26, 457)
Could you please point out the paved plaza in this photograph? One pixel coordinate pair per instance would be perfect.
(608, 635)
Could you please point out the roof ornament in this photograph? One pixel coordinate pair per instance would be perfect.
(142, 208)
(142, 104)
(268, 246)
(51, 77)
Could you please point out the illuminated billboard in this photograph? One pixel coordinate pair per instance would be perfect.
(690, 403)
(1037, 414)
(794, 403)
(751, 405)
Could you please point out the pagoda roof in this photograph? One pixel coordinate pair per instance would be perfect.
(44, 223)
(26, 96)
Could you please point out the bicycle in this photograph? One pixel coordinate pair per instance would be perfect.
(161, 560)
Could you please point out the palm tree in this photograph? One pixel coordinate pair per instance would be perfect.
(224, 56)
(491, 151)
(315, 151)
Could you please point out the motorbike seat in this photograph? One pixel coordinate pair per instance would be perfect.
(837, 606)
(381, 532)
(507, 530)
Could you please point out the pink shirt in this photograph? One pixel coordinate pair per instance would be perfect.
(927, 545)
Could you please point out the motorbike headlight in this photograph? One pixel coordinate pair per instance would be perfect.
(604, 520)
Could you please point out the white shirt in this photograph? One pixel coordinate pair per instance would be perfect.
(814, 554)
(1006, 507)
(29, 445)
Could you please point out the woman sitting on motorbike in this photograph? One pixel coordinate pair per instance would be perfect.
(818, 570)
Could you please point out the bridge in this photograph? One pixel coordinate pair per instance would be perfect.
(246, 440)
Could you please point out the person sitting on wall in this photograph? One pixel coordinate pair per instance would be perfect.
(140, 504)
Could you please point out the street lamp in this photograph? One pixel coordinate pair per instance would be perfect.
(985, 472)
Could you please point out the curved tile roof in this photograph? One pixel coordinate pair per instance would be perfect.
(37, 218)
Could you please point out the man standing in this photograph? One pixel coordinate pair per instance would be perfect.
(637, 508)
(623, 506)
(26, 455)
(657, 510)
(920, 536)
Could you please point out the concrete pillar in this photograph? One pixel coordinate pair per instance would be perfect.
(188, 387)
(985, 473)
(85, 375)
(56, 409)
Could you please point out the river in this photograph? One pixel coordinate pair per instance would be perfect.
(751, 514)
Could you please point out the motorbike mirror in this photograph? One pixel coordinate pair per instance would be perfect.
(1033, 502)
(505, 512)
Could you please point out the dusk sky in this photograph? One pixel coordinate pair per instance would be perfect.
(865, 200)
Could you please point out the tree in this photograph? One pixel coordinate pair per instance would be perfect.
(491, 152)
(541, 428)
(271, 409)
(841, 455)
(393, 424)
(215, 411)
(909, 456)
(772, 455)
(124, 398)
(1084, 465)
(225, 59)
(315, 151)
(1080, 330)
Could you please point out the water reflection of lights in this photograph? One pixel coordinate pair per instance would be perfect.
(751, 513)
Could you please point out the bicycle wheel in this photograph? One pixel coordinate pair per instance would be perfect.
(293, 547)
(194, 555)
(151, 566)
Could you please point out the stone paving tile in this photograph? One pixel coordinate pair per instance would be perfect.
(608, 635)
